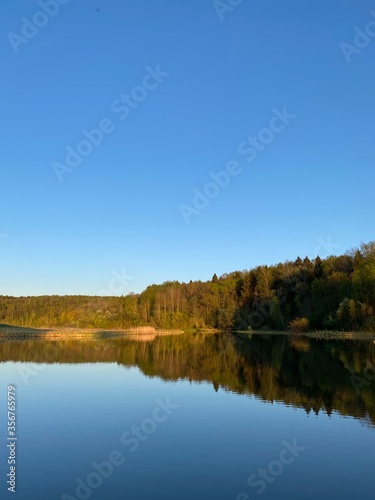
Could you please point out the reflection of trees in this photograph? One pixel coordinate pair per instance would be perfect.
(303, 372)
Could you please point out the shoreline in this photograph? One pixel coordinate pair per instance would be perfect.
(10, 332)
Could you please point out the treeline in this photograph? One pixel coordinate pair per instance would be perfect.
(337, 293)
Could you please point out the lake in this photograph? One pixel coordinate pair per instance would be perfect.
(192, 416)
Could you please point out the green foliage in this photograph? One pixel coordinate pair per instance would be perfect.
(337, 292)
(369, 324)
(299, 325)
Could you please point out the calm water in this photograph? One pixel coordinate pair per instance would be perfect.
(191, 417)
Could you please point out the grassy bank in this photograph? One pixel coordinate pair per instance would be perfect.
(24, 333)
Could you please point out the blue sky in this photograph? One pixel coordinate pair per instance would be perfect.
(309, 191)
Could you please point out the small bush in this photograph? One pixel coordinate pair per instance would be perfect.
(299, 325)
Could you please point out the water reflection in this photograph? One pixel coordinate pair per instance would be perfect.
(317, 375)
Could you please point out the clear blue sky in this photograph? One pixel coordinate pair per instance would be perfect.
(119, 209)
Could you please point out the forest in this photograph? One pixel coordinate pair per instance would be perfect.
(335, 293)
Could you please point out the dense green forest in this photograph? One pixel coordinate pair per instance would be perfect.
(306, 373)
(334, 293)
